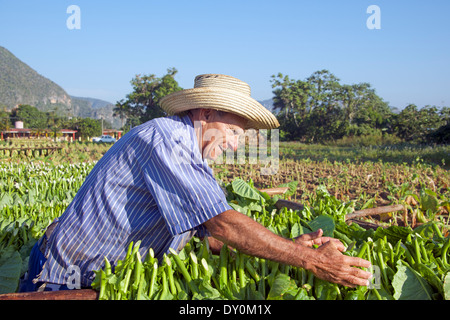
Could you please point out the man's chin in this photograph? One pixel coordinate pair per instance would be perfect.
(214, 154)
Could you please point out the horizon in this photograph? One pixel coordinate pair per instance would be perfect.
(405, 60)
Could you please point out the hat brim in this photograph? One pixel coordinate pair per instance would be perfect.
(220, 99)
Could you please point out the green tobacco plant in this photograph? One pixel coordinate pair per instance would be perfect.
(407, 264)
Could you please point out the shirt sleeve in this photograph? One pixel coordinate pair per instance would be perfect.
(185, 190)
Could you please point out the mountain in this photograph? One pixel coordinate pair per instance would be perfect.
(94, 103)
(94, 108)
(20, 84)
(268, 104)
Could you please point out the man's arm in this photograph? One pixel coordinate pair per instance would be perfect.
(326, 262)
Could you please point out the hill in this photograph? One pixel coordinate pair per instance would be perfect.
(21, 84)
(94, 108)
(268, 104)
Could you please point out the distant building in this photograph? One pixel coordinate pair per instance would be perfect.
(113, 133)
(20, 132)
(15, 133)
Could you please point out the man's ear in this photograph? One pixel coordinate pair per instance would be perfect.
(207, 114)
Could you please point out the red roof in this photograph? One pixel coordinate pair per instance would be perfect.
(24, 130)
(16, 130)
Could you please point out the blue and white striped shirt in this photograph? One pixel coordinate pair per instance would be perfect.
(152, 185)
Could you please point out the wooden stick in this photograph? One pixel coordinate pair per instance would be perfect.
(79, 294)
(366, 225)
(288, 204)
(273, 191)
(356, 214)
(374, 211)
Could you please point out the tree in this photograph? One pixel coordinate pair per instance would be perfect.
(89, 127)
(415, 124)
(5, 120)
(326, 116)
(31, 116)
(121, 110)
(320, 108)
(148, 90)
(290, 104)
(441, 134)
(371, 114)
(291, 96)
(354, 97)
(325, 89)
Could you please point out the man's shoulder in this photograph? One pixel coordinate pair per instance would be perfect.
(169, 123)
(158, 126)
(165, 132)
(172, 128)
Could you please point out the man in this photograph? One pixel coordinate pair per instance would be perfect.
(155, 185)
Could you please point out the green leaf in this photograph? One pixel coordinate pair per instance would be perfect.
(280, 285)
(207, 292)
(241, 188)
(447, 286)
(237, 207)
(409, 285)
(296, 230)
(324, 222)
(10, 267)
(292, 185)
(5, 200)
(254, 206)
(430, 276)
(428, 200)
(393, 233)
(426, 230)
(324, 290)
(302, 294)
(17, 200)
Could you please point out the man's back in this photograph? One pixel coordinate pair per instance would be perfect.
(152, 185)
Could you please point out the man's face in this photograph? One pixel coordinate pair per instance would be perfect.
(220, 131)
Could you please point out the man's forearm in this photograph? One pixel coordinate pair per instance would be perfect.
(248, 236)
(326, 262)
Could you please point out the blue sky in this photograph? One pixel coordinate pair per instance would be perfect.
(406, 61)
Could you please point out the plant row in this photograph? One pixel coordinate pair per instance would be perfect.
(407, 264)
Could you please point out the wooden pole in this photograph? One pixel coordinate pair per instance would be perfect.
(274, 191)
(79, 294)
(374, 211)
(356, 214)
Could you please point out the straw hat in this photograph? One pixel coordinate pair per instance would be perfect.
(224, 93)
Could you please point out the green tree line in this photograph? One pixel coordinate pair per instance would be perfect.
(35, 119)
(320, 108)
(316, 109)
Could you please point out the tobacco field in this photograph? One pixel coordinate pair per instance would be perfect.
(410, 264)
(409, 250)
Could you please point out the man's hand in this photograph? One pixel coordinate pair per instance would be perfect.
(330, 264)
(315, 238)
(326, 262)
